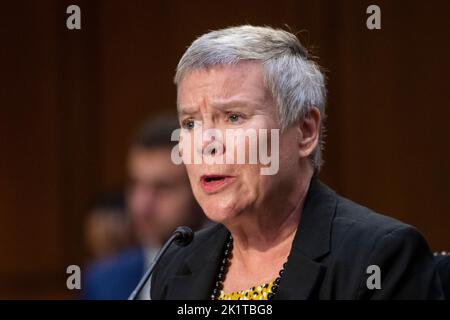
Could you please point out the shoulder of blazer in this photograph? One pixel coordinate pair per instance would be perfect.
(353, 220)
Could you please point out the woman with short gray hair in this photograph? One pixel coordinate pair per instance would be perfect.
(282, 235)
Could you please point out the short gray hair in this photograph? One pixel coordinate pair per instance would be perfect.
(294, 79)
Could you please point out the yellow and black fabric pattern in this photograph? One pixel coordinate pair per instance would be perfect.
(254, 293)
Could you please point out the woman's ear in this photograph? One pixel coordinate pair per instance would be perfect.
(309, 129)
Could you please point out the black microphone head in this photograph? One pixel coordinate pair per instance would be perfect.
(184, 236)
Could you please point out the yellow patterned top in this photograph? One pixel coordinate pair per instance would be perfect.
(254, 293)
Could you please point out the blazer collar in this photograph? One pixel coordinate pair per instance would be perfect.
(302, 273)
(202, 267)
(314, 231)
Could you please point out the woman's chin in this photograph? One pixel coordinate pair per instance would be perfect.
(219, 214)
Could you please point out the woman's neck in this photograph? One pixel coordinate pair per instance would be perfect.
(268, 234)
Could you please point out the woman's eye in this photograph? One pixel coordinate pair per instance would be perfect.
(188, 124)
(234, 117)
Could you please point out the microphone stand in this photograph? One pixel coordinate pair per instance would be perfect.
(180, 236)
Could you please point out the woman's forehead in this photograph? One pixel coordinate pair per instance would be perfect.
(225, 87)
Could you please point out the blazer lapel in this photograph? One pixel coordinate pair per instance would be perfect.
(301, 276)
(303, 272)
(202, 266)
(195, 286)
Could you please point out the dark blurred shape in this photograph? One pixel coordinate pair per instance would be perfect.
(156, 133)
(443, 263)
(107, 226)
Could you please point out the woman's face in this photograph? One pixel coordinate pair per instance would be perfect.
(226, 98)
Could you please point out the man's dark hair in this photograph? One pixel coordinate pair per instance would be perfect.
(156, 132)
(112, 202)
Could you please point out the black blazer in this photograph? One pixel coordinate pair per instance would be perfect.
(335, 243)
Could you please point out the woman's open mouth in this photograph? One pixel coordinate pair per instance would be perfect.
(213, 183)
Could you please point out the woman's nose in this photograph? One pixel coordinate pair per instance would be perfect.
(212, 142)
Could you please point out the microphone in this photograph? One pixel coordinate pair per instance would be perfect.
(182, 236)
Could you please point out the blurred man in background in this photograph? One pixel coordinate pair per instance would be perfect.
(159, 199)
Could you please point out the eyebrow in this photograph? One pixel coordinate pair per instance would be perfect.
(231, 104)
(226, 105)
(184, 112)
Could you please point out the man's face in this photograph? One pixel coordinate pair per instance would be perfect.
(233, 97)
(159, 196)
